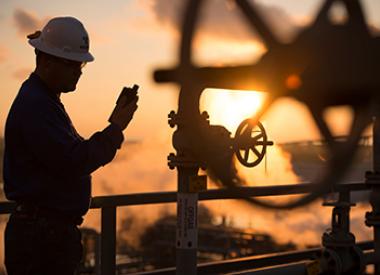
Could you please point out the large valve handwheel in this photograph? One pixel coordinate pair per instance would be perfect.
(326, 65)
(250, 143)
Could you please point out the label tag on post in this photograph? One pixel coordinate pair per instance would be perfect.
(187, 220)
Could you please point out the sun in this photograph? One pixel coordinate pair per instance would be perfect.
(230, 107)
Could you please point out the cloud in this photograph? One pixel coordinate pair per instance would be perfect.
(22, 74)
(137, 168)
(223, 19)
(27, 22)
(4, 53)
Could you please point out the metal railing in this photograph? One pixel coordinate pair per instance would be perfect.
(259, 261)
(109, 204)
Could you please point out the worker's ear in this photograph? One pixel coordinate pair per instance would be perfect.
(41, 59)
(47, 62)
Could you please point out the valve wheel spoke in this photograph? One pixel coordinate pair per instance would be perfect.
(256, 138)
(356, 15)
(246, 155)
(324, 129)
(258, 24)
(256, 152)
(322, 16)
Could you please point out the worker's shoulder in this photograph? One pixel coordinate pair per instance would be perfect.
(32, 95)
(31, 104)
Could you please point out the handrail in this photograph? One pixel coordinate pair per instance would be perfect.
(212, 194)
(109, 204)
(252, 262)
(215, 194)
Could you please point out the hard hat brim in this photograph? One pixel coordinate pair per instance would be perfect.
(80, 57)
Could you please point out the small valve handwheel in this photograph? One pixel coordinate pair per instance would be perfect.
(249, 138)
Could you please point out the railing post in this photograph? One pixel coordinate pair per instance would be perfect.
(373, 180)
(97, 255)
(187, 225)
(108, 241)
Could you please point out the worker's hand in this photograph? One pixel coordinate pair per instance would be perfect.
(123, 113)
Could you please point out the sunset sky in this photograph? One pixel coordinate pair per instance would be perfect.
(129, 40)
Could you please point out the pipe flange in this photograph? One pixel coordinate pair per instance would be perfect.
(372, 219)
(330, 262)
(182, 161)
(172, 119)
(372, 178)
(205, 116)
(358, 257)
(338, 239)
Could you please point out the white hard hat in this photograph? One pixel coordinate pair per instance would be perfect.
(63, 37)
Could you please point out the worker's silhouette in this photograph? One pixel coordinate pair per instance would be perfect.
(47, 164)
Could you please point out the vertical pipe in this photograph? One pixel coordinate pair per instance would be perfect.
(97, 254)
(108, 241)
(376, 145)
(375, 195)
(187, 225)
(377, 249)
(345, 196)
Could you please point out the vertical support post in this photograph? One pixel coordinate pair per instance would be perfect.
(188, 121)
(97, 255)
(187, 225)
(345, 197)
(376, 144)
(187, 200)
(373, 180)
(375, 196)
(376, 240)
(108, 241)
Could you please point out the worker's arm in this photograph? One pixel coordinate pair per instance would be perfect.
(57, 146)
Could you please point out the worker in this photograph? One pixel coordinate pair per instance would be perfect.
(47, 164)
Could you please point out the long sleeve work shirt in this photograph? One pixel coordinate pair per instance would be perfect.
(46, 162)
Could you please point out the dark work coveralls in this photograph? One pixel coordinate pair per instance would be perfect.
(47, 167)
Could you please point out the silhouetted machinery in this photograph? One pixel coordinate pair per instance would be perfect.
(326, 65)
(249, 144)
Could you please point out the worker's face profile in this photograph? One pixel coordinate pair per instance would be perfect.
(69, 72)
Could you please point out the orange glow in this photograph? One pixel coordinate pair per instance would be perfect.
(229, 108)
(293, 82)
